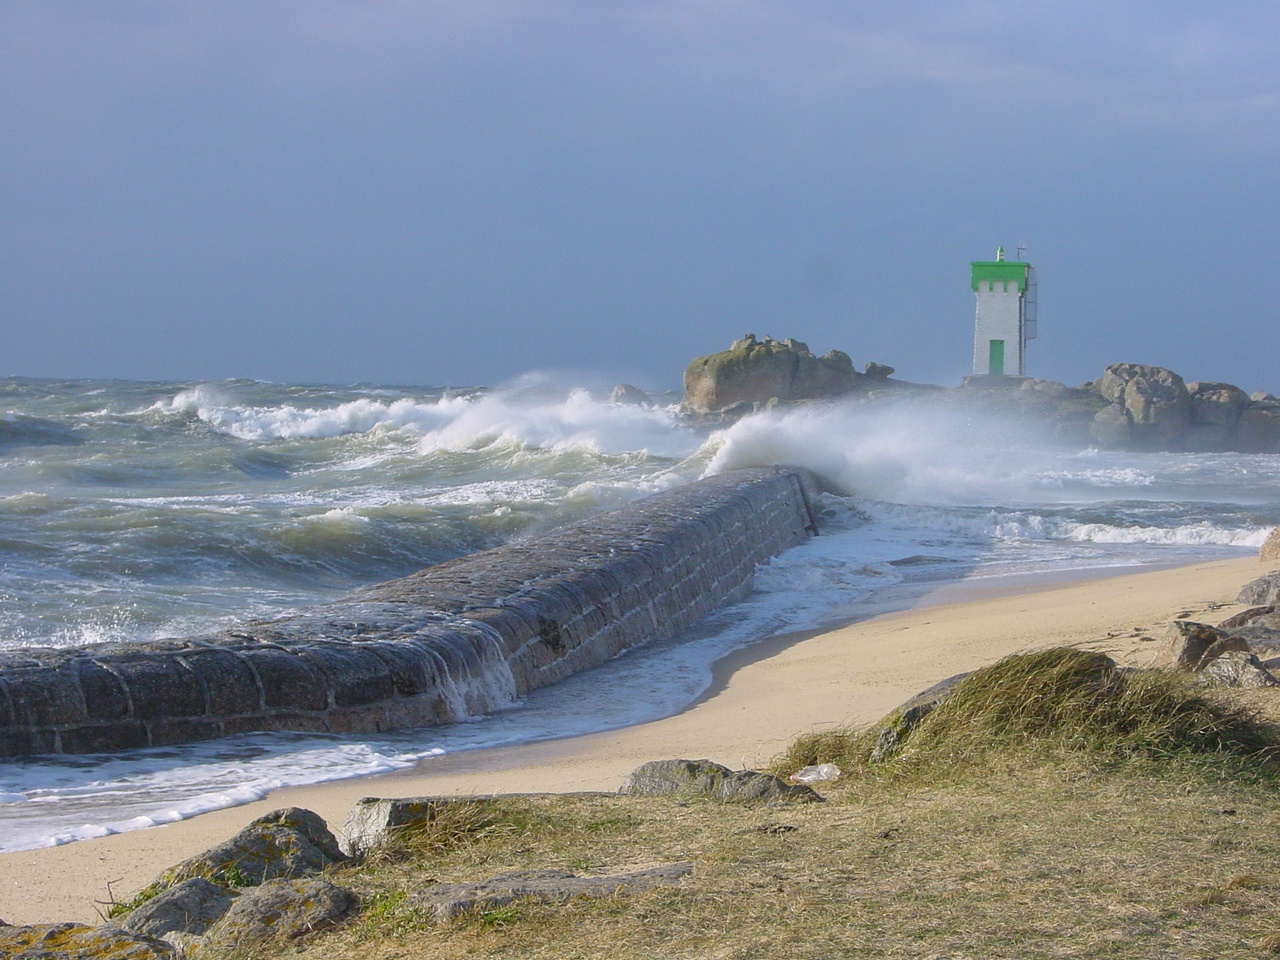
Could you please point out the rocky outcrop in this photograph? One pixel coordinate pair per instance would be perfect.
(625, 393)
(1045, 407)
(447, 900)
(1132, 406)
(702, 778)
(1270, 550)
(260, 884)
(374, 821)
(1151, 408)
(754, 372)
(1154, 401)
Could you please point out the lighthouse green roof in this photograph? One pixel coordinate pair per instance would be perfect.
(1004, 271)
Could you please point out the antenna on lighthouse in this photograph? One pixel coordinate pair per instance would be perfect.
(1022, 251)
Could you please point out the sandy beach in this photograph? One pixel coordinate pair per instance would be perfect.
(761, 699)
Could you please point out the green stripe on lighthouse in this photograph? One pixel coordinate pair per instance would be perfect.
(999, 271)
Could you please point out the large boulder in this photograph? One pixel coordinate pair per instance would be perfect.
(1111, 427)
(191, 907)
(1238, 669)
(278, 910)
(892, 731)
(1259, 428)
(75, 941)
(1216, 403)
(291, 842)
(1193, 646)
(756, 371)
(1265, 591)
(703, 778)
(374, 821)
(1159, 408)
(1155, 402)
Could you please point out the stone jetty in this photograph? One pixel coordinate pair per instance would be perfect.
(451, 641)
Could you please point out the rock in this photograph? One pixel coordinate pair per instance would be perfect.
(1048, 388)
(373, 818)
(1113, 381)
(1219, 404)
(1261, 396)
(1194, 645)
(446, 901)
(1238, 669)
(878, 371)
(1155, 402)
(625, 393)
(75, 941)
(892, 732)
(278, 910)
(703, 778)
(1158, 407)
(1111, 428)
(192, 906)
(1259, 429)
(1270, 550)
(1265, 591)
(1207, 438)
(754, 370)
(284, 843)
(1245, 617)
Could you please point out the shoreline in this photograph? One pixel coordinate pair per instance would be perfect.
(851, 672)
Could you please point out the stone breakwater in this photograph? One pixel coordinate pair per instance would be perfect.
(451, 641)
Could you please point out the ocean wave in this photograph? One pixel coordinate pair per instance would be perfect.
(518, 419)
(1028, 525)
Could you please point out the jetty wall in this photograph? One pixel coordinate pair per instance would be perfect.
(454, 640)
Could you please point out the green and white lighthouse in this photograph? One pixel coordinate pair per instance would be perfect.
(1006, 315)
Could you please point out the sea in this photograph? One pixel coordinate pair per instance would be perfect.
(137, 510)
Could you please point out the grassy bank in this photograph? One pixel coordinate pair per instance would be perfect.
(1064, 811)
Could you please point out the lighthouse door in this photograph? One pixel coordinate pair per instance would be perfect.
(995, 364)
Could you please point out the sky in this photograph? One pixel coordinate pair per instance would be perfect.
(454, 193)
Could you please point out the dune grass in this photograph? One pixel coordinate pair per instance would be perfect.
(1057, 701)
(1053, 807)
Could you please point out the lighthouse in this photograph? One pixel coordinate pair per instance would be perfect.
(1006, 314)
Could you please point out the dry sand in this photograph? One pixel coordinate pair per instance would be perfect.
(762, 698)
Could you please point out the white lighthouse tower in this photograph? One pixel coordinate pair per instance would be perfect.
(1006, 316)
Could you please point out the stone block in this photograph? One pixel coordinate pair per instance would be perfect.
(104, 737)
(355, 676)
(159, 687)
(104, 694)
(231, 683)
(288, 681)
(184, 730)
(46, 697)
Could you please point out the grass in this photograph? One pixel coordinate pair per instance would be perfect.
(1054, 702)
(1054, 807)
